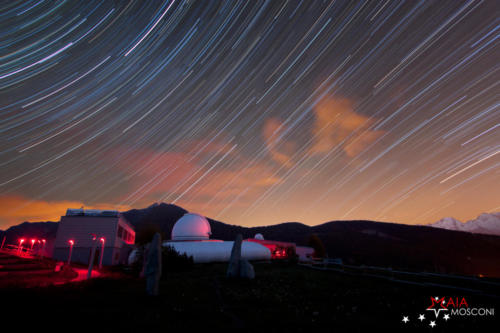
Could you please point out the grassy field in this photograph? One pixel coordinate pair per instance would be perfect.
(283, 297)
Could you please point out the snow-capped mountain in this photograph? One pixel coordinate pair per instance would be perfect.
(486, 223)
(448, 223)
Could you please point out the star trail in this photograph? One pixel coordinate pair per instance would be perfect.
(251, 112)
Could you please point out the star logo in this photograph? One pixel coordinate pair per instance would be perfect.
(446, 317)
(421, 317)
(432, 324)
(405, 319)
(437, 306)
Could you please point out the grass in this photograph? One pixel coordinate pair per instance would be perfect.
(283, 297)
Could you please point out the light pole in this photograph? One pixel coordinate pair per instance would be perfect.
(20, 247)
(92, 256)
(43, 247)
(32, 243)
(102, 252)
(71, 243)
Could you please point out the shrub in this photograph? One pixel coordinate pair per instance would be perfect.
(316, 243)
(292, 256)
(173, 261)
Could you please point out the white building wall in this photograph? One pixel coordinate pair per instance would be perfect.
(305, 253)
(81, 228)
(126, 226)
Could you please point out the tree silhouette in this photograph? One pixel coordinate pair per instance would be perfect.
(315, 242)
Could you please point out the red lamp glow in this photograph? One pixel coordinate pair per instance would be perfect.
(102, 251)
(20, 247)
(42, 250)
(71, 243)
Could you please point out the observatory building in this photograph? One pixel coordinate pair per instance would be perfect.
(191, 235)
(80, 229)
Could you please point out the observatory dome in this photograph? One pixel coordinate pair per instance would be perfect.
(191, 227)
(259, 237)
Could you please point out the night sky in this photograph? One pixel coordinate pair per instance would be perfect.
(252, 113)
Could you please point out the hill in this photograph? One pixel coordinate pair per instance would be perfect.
(409, 247)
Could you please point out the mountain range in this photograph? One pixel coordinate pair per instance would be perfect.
(486, 223)
(400, 246)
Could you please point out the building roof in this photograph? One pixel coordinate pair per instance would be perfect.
(91, 212)
(271, 242)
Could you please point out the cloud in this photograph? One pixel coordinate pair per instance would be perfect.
(16, 209)
(336, 123)
(154, 175)
(236, 187)
(280, 152)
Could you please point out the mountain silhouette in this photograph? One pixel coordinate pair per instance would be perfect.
(400, 246)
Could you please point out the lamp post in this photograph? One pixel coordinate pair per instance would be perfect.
(20, 247)
(43, 247)
(32, 243)
(92, 256)
(71, 243)
(38, 247)
(102, 252)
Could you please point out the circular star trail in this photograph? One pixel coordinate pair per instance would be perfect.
(251, 112)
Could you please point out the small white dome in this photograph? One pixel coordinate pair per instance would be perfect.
(259, 236)
(191, 227)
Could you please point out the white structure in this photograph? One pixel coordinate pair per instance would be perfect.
(191, 227)
(305, 253)
(190, 235)
(81, 226)
(259, 237)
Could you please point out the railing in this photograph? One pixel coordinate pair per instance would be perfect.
(20, 252)
(470, 284)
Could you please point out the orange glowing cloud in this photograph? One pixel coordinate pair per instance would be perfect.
(281, 153)
(336, 123)
(230, 189)
(17, 209)
(188, 180)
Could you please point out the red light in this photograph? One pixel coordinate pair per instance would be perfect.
(32, 241)
(102, 239)
(21, 241)
(43, 240)
(71, 242)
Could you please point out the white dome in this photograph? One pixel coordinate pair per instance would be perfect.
(191, 227)
(258, 236)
